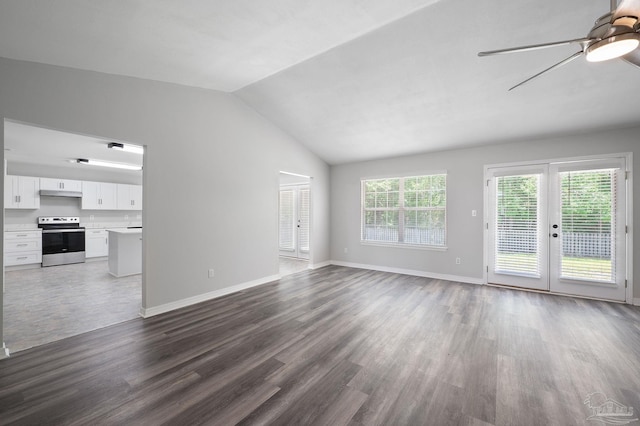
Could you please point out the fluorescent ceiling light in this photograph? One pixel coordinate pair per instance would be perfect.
(108, 164)
(612, 47)
(126, 148)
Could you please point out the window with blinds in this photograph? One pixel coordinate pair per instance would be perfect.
(517, 241)
(588, 225)
(287, 220)
(407, 210)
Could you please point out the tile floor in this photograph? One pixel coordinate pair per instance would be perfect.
(48, 304)
(290, 265)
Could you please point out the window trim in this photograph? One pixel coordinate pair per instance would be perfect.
(401, 210)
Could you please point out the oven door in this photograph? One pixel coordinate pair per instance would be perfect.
(56, 241)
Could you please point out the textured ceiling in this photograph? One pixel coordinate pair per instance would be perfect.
(216, 44)
(350, 79)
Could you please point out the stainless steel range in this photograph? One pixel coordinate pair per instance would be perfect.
(62, 240)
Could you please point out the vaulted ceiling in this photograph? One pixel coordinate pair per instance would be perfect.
(350, 79)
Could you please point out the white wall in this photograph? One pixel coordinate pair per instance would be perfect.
(465, 178)
(75, 173)
(206, 153)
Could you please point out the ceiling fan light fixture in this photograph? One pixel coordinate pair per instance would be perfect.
(612, 47)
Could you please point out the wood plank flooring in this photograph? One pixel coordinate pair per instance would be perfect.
(338, 346)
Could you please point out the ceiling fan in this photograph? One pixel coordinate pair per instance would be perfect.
(614, 35)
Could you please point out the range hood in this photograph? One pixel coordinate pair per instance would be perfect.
(60, 193)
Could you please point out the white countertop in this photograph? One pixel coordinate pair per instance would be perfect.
(109, 225)
(21, 227)
(125, 230)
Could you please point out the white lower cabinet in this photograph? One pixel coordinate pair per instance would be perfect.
(22, 247)
(96, 243)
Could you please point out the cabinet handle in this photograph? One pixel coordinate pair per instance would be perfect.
(22, 245)
(21, 258)
(21, 235)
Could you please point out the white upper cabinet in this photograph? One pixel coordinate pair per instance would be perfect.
(99, 196)
(129, 197)
(60, 184)
(21, 192)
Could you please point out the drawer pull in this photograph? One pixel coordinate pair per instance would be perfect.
(21, 257)
(22, 245)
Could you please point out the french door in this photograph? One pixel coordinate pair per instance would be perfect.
(294, 207)
(559, 227)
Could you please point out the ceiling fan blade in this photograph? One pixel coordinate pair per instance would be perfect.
(558, 65)
(532, 47)
(633, 58)
(627, 8)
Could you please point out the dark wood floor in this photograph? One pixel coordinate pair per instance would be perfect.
(339, 346)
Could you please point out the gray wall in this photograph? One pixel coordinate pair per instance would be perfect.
(465, 178)
(207, 153)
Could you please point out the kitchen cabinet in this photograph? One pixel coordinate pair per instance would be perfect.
(96, 243)
(129, 197)
(60, 184)
(99, 196)
(22, 247)
(21, 192)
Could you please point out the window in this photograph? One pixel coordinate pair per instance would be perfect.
(406, 210)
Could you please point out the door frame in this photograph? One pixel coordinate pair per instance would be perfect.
(628, 156)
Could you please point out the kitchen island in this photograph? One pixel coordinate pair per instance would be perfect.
(125, 251)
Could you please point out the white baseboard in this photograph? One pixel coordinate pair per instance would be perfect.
(636, 301)
(167, 307)
(456, 278)
(4, 351)
(319, 265)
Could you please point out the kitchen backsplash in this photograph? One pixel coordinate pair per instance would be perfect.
(62, 206)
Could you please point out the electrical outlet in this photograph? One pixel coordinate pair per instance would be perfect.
(346, 250)
(474, 213)
(212, 273)
(458, 261)
(91, 217)
(126, 217)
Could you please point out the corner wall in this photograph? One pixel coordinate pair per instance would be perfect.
(206, 153)
(465, 192)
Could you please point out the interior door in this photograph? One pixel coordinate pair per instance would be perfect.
(588, 228)
(559, 227)
(518, 241)
(294, 205)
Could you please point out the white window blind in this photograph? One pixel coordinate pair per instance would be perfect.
(517, 242)
(303, 220)
(407, 210)
(287, 220)
(588, 225)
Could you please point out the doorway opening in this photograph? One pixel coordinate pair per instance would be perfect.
(560, 227)
(45, 301)
(294, 223)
